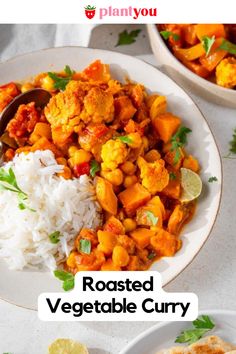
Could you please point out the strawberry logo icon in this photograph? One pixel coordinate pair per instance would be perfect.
(90, 11)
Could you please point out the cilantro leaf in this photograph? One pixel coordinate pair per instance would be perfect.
(151, 255)
(94, 168)
(67, 278)
(8, 182)
(232, 146)
(126, 37)
(60, 82)
(68, 284)
(167, 34)
(151, 217)
(178, 140)
(125, 139)
(85, 246)
(228, 46)
(54, 237)
(69, 72)
(172, 176)
(207, 43)
(202, 325)
(204, 322)
(212, 179)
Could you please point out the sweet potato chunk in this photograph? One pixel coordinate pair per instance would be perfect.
(142, 236)
(107, 241)
(156, 208)
(124, 109)
(7, 93)
(115, 226)
(166, 125)
(134, 197)
(165, 244)
(106, 195)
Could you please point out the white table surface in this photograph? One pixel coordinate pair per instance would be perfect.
(212, 275)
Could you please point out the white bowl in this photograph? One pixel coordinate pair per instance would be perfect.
(184, 76)
(23, 288)
(163, 335)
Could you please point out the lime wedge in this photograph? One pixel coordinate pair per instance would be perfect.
(67, 346)
(191, 185)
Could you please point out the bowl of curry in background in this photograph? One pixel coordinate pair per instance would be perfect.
(191, 73)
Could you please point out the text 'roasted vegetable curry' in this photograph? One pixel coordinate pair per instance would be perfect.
(129, 144)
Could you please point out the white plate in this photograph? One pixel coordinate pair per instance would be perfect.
(23, 288)
(163, 335)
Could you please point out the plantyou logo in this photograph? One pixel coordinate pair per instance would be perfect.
(90, 11)
(133, 12)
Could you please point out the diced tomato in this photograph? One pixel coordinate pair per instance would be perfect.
(82, 169)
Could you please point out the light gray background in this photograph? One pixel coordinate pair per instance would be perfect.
(211, 275)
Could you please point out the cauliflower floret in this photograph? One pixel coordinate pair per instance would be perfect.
(226, 73)
(63, 110)
(154, 175)
(114, 152)
(98, 106)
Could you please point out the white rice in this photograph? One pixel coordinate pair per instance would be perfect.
(60, 205)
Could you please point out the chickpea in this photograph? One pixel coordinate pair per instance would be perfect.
(130, 180)
(115, 177)
(129, 224)
(72, 149)
(120, 256)
(81, 156)
(47, 83)
(128, 168)
(152, 156)
(26, 87)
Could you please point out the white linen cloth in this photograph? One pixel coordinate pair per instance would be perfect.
(17, 39)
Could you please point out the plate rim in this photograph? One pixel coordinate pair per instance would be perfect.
(21, 56)
(159, 325)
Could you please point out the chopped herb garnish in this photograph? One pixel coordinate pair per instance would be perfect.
(8, 182)
(125, 139)
(151, 255)
(207, 43)
(178, 140)
(67, 278)
(167, 34)
(85, 246)
(151, 217)
(212, 179)
(228, 47)
(55, 236)
(232, 146)
(172, 176)
(126, 38)
(202, 325)
(59, 81)
(94, 168)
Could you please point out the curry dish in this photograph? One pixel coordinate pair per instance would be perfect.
(209, 50)
(132, 148)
